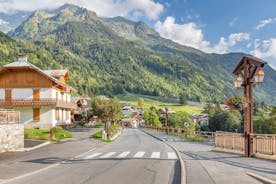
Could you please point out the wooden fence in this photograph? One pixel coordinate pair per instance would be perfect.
(230, 142)
(264, 145)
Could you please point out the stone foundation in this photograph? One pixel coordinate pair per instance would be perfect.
(11, 137)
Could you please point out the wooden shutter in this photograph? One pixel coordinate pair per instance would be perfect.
(36, 94)
(36, 114)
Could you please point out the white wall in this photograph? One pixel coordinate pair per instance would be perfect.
(47, 116)
(22, 93)
(47, 93)
(2, 94)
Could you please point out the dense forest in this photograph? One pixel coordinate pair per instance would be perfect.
(111, 56)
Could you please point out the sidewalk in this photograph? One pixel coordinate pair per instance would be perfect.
(206, 166)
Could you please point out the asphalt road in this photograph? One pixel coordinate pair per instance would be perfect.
(134, 157)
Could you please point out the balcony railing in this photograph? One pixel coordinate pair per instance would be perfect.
(38, 102)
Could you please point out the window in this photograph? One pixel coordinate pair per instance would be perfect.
(57, 114)
(36, 114)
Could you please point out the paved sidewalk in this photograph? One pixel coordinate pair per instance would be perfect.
(206, 166)
(20, 163)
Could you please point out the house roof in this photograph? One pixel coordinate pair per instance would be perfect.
(56, 73)
(26, 64)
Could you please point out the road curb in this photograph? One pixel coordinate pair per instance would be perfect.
(261, 178)
(182, 163)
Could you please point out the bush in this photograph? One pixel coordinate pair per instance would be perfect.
(113, 129)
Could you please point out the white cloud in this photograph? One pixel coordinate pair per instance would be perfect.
(191, 35)
(105, 8)
(265, 49)
(2, 22)
(233, 22)
(265, 22)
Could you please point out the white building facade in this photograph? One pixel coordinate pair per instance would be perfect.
(42, 97)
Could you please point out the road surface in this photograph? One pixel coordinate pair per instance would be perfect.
(134, 157)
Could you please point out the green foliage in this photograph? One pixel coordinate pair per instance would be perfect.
(151, 117)
(179, 118)
(141, 102)
(265, 124)
(225, 121)
(54, 134)
(101, 61)
(107, 109)
(98, 136)
(113, 129)
(183, 99)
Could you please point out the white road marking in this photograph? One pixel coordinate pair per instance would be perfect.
(92, 156)
(108, 155)
(155, 155)
(172, 155)
(123, 155)
(81, 155)
(139, 154)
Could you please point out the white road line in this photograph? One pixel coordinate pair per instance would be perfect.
(123, 155)
(172, 155)
(29, 174)
(108, 155)
(155, 155)
(81, 155)
(92, 156)
(139, 154)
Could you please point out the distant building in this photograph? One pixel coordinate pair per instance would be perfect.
(83, 105)
(163, 111)
(200, 119)
(41, 96)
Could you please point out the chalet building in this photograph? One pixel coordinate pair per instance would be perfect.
(41, 96)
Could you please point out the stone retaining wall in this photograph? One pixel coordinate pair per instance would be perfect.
(11, 132)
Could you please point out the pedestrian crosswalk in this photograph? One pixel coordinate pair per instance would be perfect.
(128, 154)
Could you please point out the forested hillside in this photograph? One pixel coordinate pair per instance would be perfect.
(109, 56)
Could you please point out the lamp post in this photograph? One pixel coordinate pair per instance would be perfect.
(166, 119)
(248, 72)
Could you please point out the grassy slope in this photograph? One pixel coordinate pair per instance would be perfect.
(133, 100)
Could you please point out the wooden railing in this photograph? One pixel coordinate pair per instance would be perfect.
(38, 102)
(230, 141)
(264, 145)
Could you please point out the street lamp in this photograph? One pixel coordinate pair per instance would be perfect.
(248, 72)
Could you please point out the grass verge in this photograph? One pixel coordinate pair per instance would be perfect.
(98, 136)
(55, 134)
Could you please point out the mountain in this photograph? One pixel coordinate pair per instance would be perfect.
(11, 20)
(111, 55)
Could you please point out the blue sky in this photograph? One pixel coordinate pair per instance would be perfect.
(213, 26)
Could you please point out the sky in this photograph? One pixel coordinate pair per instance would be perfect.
(213, 26)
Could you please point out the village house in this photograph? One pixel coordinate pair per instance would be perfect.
(200, 119)
(41, 96)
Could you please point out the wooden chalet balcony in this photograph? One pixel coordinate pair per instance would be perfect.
(38, 102)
